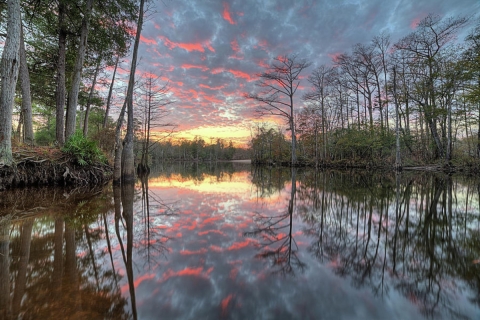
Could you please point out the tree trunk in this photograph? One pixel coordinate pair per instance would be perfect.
(117, 162)
(77, 75)
(110, 90)
(60, 90)
(128, 165)
(26, 96)
(89, 101)
(24, 256)
(5, 307)
(292, 130)
(9, 68)
(398, 163)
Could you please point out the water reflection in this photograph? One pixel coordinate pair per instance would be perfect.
(277, 242)
(195, 241)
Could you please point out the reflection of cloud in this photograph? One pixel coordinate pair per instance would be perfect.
(236, 183)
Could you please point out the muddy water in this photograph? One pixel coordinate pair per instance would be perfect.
(234, 242)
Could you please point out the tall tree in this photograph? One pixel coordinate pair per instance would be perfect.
(26, 96)
(425, 47)
(90, 96)
(278, 84)
(70, 122)
(321, 80)
(128, 163)
(9, 73)
(471, 62)
(153, 107)
(60, 90)
(110, 91)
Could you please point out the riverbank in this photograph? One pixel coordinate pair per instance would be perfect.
(42, 166)
(468, 168)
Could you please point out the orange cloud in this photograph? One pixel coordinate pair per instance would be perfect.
(211, 99)
(201, 85)
(187, 46)
(193, 66)
(202, 233)
(147, 41)
(235, 46)
(226, 13)
(225, 302)
(240, 74)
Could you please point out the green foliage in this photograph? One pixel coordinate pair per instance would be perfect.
(46, 135)
(367, 145)
(84, 150)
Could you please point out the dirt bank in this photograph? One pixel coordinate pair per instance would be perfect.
(40, 166)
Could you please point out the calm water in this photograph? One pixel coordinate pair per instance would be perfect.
(232, 242)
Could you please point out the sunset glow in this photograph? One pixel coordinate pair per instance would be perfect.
(211, 53)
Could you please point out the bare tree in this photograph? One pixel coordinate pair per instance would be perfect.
(154, 112)
(321, 79)
(128, 165)
(110, 91)
(90, 96)
(425, 48)
(278, 84)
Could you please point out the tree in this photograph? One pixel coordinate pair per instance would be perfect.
(9, 74)
(321, 80)
(471, 62)
(26, 113)
(426, 47)
(154, 112)
(60, 90)
(77, 75)
(128, 165)
(278, 84)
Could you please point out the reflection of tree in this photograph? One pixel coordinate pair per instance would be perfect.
(418, 235)
(49, 277)
(277, 243)
(269, 180)
(5, 308)
(127, 194)
(153, 239)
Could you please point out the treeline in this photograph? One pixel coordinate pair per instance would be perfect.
(197, 150)
(425, 87)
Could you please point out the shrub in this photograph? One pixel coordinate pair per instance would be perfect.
(84, 150)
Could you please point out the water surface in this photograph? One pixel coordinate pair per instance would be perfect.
(230, 241)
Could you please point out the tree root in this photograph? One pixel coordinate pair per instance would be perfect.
(31, 171)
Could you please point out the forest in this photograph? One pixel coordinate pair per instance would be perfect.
(413, 102)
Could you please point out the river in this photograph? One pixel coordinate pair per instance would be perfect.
(232, 241)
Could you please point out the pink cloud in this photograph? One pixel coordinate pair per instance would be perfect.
(226, 13)
(194, 66)
(187, 46)
(240, 74)
(235, 46)
(147, 40)
(201, 85)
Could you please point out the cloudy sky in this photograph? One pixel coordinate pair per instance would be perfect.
(210, 51)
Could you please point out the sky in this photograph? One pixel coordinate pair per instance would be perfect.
(210, 51)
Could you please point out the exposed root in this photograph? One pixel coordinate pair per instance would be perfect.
(32, 168)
